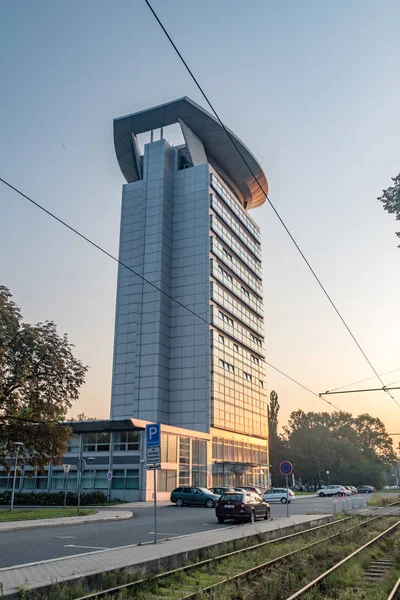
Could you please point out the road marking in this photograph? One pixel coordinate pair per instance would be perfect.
(61, 558)
(162, 533)
(86, 547)
(65, 537)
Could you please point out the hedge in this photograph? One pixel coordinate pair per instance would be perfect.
(52, 498)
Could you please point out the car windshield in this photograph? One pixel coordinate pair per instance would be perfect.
(204, 490)
(231, 498)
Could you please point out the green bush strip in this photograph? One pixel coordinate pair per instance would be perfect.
(41, 513)
(52, 498)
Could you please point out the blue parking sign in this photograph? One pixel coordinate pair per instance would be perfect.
(153, 435)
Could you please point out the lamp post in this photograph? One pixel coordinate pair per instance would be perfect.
(327, 477)
(17, 447)
(66, 473)
(91, 461)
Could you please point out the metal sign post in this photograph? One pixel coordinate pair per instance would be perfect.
(287, 497)
(286, 468)
(80, 465)
(155, 506)
(153, 442)
(66, 473)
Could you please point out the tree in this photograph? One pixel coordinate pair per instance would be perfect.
(276, 445)
(83, 417)
(354, 450)
(391, 199)
(39, 381)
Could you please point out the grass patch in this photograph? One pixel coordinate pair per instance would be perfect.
(382, 500)
(41, 513)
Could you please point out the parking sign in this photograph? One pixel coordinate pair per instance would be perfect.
(153, 435)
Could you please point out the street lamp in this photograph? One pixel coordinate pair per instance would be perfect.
(91, 461)
(17, 447)
(327, 477)
(66, 473)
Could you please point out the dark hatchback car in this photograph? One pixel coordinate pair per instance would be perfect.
(241, 506)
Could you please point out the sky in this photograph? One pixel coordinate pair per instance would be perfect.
(311, 87)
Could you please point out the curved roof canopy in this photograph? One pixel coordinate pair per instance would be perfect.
(216, 141)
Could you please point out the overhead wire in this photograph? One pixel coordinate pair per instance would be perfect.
(153, 285)
(265, 192)
(340, 387)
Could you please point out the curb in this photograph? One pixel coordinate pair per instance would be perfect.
(74, 521)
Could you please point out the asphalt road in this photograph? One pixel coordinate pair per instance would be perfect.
(41, 543)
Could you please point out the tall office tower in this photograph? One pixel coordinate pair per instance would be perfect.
(189, 352)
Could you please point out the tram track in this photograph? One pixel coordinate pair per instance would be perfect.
(317, 581)
(395, 591)
(188, 579)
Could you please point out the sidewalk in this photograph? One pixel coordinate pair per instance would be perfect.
(105, 515)
(147, 504)
(150, 503)
(147, 558)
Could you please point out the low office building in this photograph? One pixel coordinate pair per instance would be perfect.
(118, 447)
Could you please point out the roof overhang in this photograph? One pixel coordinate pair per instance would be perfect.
(225, 149)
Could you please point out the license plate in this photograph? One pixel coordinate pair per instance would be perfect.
(228, 506)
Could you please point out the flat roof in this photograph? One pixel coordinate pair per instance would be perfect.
(217, 144)
(102, 425)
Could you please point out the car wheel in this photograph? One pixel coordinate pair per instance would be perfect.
(283, 500)
(252, 517)
(221, 520)
(267, 514)
(179, 502)
(210, 503)
(368, 491)
(321, 495)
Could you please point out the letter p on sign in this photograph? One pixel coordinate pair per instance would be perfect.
(153, 435)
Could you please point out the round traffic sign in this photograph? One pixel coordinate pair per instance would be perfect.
(286, 467)
(109, 475)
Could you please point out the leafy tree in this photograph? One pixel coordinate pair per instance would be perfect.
(83, 417)
(373, 439)
(39, 381)
(391, 199)
(354, 450)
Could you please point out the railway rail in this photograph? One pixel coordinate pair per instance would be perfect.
(318, 580)
(395, 593)
(161, 579)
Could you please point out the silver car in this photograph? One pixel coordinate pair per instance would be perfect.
(279, 495)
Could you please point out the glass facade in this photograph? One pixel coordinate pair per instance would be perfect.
(239, 402)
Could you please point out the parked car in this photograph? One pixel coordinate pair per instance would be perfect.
(194, 495)
(242, 506)
(365, 489)
(221, 490)
(333, 490)
(352, 489)
(279, 495)
(251, 488)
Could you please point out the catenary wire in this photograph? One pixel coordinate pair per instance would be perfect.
(358, 391)
(303, 386)
(269, 201)
(122, 264)
(367, 379)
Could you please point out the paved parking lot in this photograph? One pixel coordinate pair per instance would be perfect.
(18, 547)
